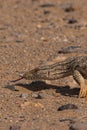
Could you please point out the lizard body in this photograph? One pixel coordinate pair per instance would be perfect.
(75, 66)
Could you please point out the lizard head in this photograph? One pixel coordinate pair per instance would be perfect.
(29, 75)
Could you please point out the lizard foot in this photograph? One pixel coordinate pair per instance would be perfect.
(83, 92)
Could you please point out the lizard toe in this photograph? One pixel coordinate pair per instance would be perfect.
(83, 92)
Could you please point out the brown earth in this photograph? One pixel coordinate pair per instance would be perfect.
(33, 32)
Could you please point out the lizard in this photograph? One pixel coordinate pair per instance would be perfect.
(74, 66)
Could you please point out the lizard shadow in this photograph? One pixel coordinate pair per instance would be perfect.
(39, 85)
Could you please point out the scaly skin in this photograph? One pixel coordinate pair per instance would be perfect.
(76, 66)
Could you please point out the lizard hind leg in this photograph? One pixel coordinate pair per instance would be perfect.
(81, 81)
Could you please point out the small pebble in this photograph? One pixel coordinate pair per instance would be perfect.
(44, 39)
(39, 26)
(68, 7)
(67, 106)
(69, 49)
(78, 126)
(47, 5)
(19, 41)
(24, 95)
(46, 12)
(36, 95)
(14, 127)
(72, 21)
(66, 119)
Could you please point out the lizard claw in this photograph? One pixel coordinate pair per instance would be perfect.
(83, 92)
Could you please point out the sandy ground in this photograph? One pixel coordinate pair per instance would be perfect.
(33, 32)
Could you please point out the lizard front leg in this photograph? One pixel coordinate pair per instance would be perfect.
(81, 81)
